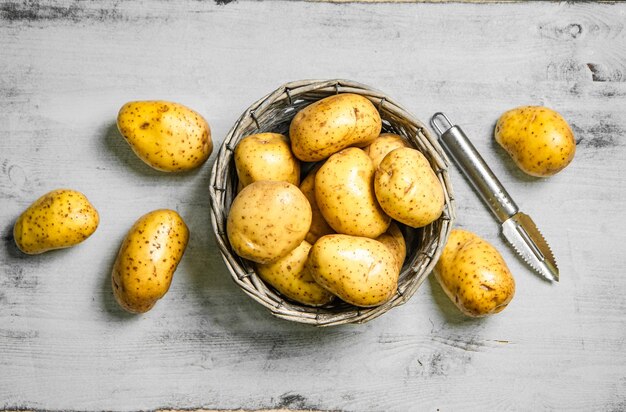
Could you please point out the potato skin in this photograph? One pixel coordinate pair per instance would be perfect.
(538, 139)
(266, 156)
(148, 258)
(319, 226)
(394, 241)
(407, 188)
(345, 194)
(383, 144)
(359, 270)
(59, 219)
(474, 275)
(290, 277)
(267, 220)
(331, 124)
(167, 136)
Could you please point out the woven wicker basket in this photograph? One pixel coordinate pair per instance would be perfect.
(274, 113)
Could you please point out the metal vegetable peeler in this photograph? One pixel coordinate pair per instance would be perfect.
(518, 228)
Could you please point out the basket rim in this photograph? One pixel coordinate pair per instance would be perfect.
(221, 191)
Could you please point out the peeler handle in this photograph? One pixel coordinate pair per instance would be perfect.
(471, 163)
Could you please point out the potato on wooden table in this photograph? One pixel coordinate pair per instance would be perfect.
(538, 139)
(474, 275)
(167, 136)
(59, 219)
(148, 258)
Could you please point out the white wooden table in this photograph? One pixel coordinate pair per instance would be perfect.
(67, 67)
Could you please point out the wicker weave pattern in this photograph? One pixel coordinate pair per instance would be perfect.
(274, 113)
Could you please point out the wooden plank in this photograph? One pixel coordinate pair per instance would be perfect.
(69, 66)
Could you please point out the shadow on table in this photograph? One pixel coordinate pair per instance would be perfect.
(9, 243)
(109, 302)
(451, 313)
(21, 269)
(120, 151)
(114, 143)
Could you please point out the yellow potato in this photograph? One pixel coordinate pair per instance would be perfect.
(383, 144)
(147, 259)
(266, 156)
(319, 226)
(474, 275)
(345, 195)
(408, 189)
(290, 277)
(167, 136)
(394, 240)
(537, 138)
(267, 220)
(456, 240)
(331, 124)
(59, 219)
(359, 270)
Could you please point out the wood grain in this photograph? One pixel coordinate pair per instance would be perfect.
(67, 67)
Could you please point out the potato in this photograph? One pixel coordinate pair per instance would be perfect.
(147, 259)
(474, 275)
(267, 220)
(319, 226)
(290, 277)
(331, 124)
(394, 240)
(537, 138)
(266, 156)
(359, 270)
(345, 195)
(382, 145)
(167, 136)
(407, 188)
(57, 220)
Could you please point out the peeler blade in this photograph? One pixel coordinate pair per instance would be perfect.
(522, 233)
